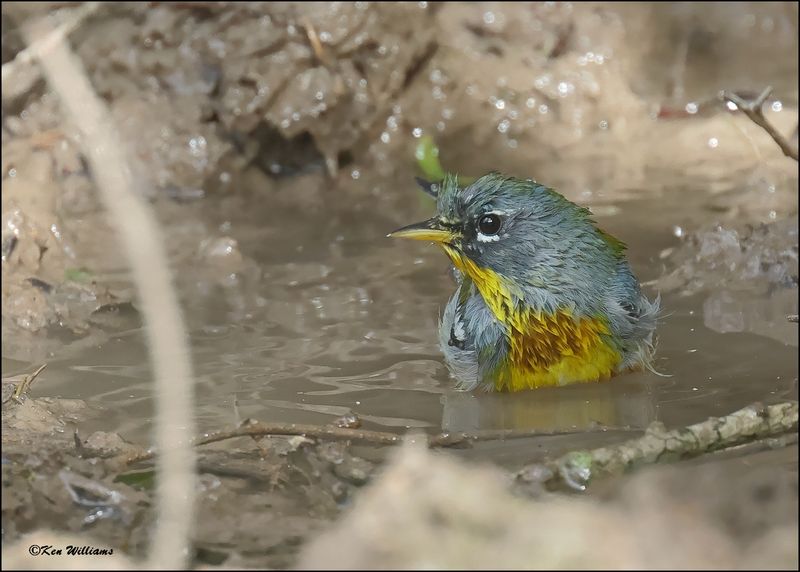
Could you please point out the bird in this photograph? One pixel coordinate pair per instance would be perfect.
(544, 297)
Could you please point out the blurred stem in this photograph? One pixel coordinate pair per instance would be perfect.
(143, 243)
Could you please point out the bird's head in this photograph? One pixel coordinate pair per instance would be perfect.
(517, 232)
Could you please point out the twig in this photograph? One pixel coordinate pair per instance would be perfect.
(20, 74)
(657, 445)
(143, 243)
(753, 109)
(316, 44)
(24, 386)
(252, 428)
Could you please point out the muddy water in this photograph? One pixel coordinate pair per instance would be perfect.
(333, 318)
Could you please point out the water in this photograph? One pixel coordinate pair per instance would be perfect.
(335, 318)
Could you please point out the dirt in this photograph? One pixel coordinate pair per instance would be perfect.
(424, 513)
(256, 505)
(275, 142)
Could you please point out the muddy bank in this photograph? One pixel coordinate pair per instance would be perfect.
(294, 503)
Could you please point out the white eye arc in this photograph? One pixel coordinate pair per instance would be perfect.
(488, 238)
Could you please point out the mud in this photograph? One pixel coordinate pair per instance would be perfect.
(275, 142)
(256, 505)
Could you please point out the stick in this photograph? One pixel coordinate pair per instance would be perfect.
(658, 445)
(20, 74)
(143, 243)
(24, 385)
(252, 428)
(753, 109)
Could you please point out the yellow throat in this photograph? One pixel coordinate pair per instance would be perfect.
(544, 349)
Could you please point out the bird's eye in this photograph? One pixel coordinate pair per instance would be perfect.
(489, 224)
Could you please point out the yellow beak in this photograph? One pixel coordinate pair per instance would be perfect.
(431, 229)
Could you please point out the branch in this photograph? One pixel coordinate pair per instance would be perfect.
(257, 429)
(753, 109)
(658, 445)
(21, 73)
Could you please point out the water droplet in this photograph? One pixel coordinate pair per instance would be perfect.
(355, 174)
(731, 105)
(777, 106)
(500, 104)
(677, 231)
(543, 109)
(488, 17)
(773, 215)
(503, 126)
(713, 143)
(416, 132)
(691, 108)
(385, 137)
(603, 124)
(530, 103)
(541, 81)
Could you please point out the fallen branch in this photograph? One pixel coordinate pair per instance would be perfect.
(753, 109)
(256, 429)
(657, 445)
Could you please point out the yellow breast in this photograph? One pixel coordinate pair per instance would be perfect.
(544, 349)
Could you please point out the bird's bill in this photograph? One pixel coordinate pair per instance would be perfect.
(431, 229)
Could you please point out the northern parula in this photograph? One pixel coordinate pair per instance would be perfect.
(544, 296)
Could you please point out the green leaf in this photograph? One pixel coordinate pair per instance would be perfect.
(427, 155)
(143, 480)
(78, 274)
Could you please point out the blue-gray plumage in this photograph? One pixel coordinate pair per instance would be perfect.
(544, 297)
